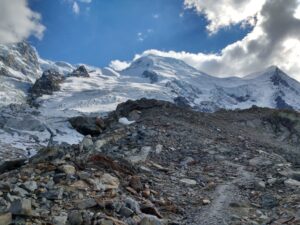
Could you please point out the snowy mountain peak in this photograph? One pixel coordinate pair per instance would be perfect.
(152, 61)
(163, 68)
(271, 71)
(273, 68)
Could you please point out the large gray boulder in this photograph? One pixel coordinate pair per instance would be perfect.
(88, 125)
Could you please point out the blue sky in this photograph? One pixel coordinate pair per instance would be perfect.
(105, 30)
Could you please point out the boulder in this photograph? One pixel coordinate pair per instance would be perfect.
(11, 165)
(124, 109)
(88, 125)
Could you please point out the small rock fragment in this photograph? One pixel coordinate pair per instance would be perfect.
(206, 201)
(292, 183)
(75, 218)
(150, 220)
(30, 186)
(21, 207)
(188, 181)
(68, 169)
(135, 183)
(126, 212)
(5, 218)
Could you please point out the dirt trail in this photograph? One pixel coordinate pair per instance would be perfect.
(219, 212)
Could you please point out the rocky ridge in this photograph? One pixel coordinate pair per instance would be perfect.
(168, 165)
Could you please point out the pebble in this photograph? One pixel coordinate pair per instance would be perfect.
(5, 219)
(268, 201)
(61, 219)
(135, 183)
(150, 220)
(21, 207)
(75, 218)
(106, 182)
(188, 181)
(30, 186)
(292, 183)
(86, 203)
(158, 149)
(87, 142)
(68, 169)
(206, 201)
(125, 211)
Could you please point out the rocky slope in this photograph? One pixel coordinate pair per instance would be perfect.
(165, 165)
(38, 97)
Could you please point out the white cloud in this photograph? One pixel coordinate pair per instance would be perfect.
(76, 8)
(118, 65)
(140, 36)
(226, 12)
(156, 16)
(18, 21)
(274, 40)
(149, 30)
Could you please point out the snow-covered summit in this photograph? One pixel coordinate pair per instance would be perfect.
(166, 67)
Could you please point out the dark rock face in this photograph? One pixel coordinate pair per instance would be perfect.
(241, 98)
(81, 71)
(47, 84)
(281, 104)
(88, 125)
(181, 101)
(28, 55)
(277, 79)
(151, 75)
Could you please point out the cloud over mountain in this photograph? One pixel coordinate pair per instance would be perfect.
(273, 40)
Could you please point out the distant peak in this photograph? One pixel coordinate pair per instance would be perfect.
(273, 68)
(268, 72)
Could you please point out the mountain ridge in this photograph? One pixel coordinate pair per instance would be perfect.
(100, 90)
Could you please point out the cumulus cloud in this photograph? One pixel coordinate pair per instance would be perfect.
(226, 12)
(18, 21)
(118, 65)
(274, 39)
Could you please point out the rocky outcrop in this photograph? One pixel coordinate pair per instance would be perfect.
(47, 84)
(125, 108)
(81, 71)
(21, 57)
(281, 104)
(181, 101)
(151, 75)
